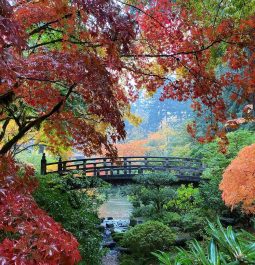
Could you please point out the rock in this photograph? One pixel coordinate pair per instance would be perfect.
(109, 225)
(109, 218)
(227, 220)
(123, 250)
(176, 228)
(120, 229)
(111, 258)
(109, 244)
(182, 239)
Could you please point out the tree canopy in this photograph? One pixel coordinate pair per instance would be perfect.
(71, 68)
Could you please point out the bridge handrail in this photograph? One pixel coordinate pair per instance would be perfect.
(129, 165)
(128, 157)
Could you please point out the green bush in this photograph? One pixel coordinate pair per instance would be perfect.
(117, 236)
(75, 211)
(147, 237)
(130, 260)
(172, 219)
(184, 200)
(151, 193)
(225, 247)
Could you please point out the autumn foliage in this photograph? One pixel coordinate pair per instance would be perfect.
(238, 183)
(30, 235)
(190, 42)
(133, 148)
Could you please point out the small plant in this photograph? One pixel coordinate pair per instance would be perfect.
(226, 247)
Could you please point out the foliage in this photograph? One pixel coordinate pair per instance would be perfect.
(225, 247)
(147, 237)
(237, 184)
(133, 148)
(184, 200)
(188, 55)
(34, 158)
(152, 192)
(75, 210)
(28, 234)
(149, 145)
(216, 162)
(62, 76)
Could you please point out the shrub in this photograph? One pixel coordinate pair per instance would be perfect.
(75, 211)
(172, 218)
(147, 237)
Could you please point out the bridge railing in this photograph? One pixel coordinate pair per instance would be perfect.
(126, 166)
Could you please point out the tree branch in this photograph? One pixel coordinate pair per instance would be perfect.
(89, 44)
(6, 147)
(4, 129)
(44, 26)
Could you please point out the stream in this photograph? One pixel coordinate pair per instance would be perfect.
(116, 212)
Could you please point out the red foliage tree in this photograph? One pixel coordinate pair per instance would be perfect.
(238, 184)
(188, 41)
(31, 236)
(59, 73)
(60, 70)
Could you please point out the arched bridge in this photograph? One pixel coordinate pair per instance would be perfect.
(123, 169)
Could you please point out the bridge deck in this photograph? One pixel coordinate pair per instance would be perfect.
(125, 168)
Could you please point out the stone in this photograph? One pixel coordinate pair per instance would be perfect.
(109, 244)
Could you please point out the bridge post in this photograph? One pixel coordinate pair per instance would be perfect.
(95, 170)
(129, 167)
(140, 171)
(125, 166)
(84, 166)
(106, 171)
(60, 165)
(43, 164)
(166, 162)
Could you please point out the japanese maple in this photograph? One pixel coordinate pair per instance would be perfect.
(184, 45)
(238, 185)
(59, 74)
(30, 235)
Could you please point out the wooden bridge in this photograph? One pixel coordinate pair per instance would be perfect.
(123, 169)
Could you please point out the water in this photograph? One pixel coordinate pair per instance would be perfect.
(119, 208)
(116, 207)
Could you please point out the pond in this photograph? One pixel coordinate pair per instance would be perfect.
(117, 207)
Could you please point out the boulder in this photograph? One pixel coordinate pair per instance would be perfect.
(109, 244)
(182, 239)
(123, 250)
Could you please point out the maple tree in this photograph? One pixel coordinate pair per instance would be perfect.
(237, 184)
(183, 46)
(29, 235)
(60, 71)
(59, 74)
